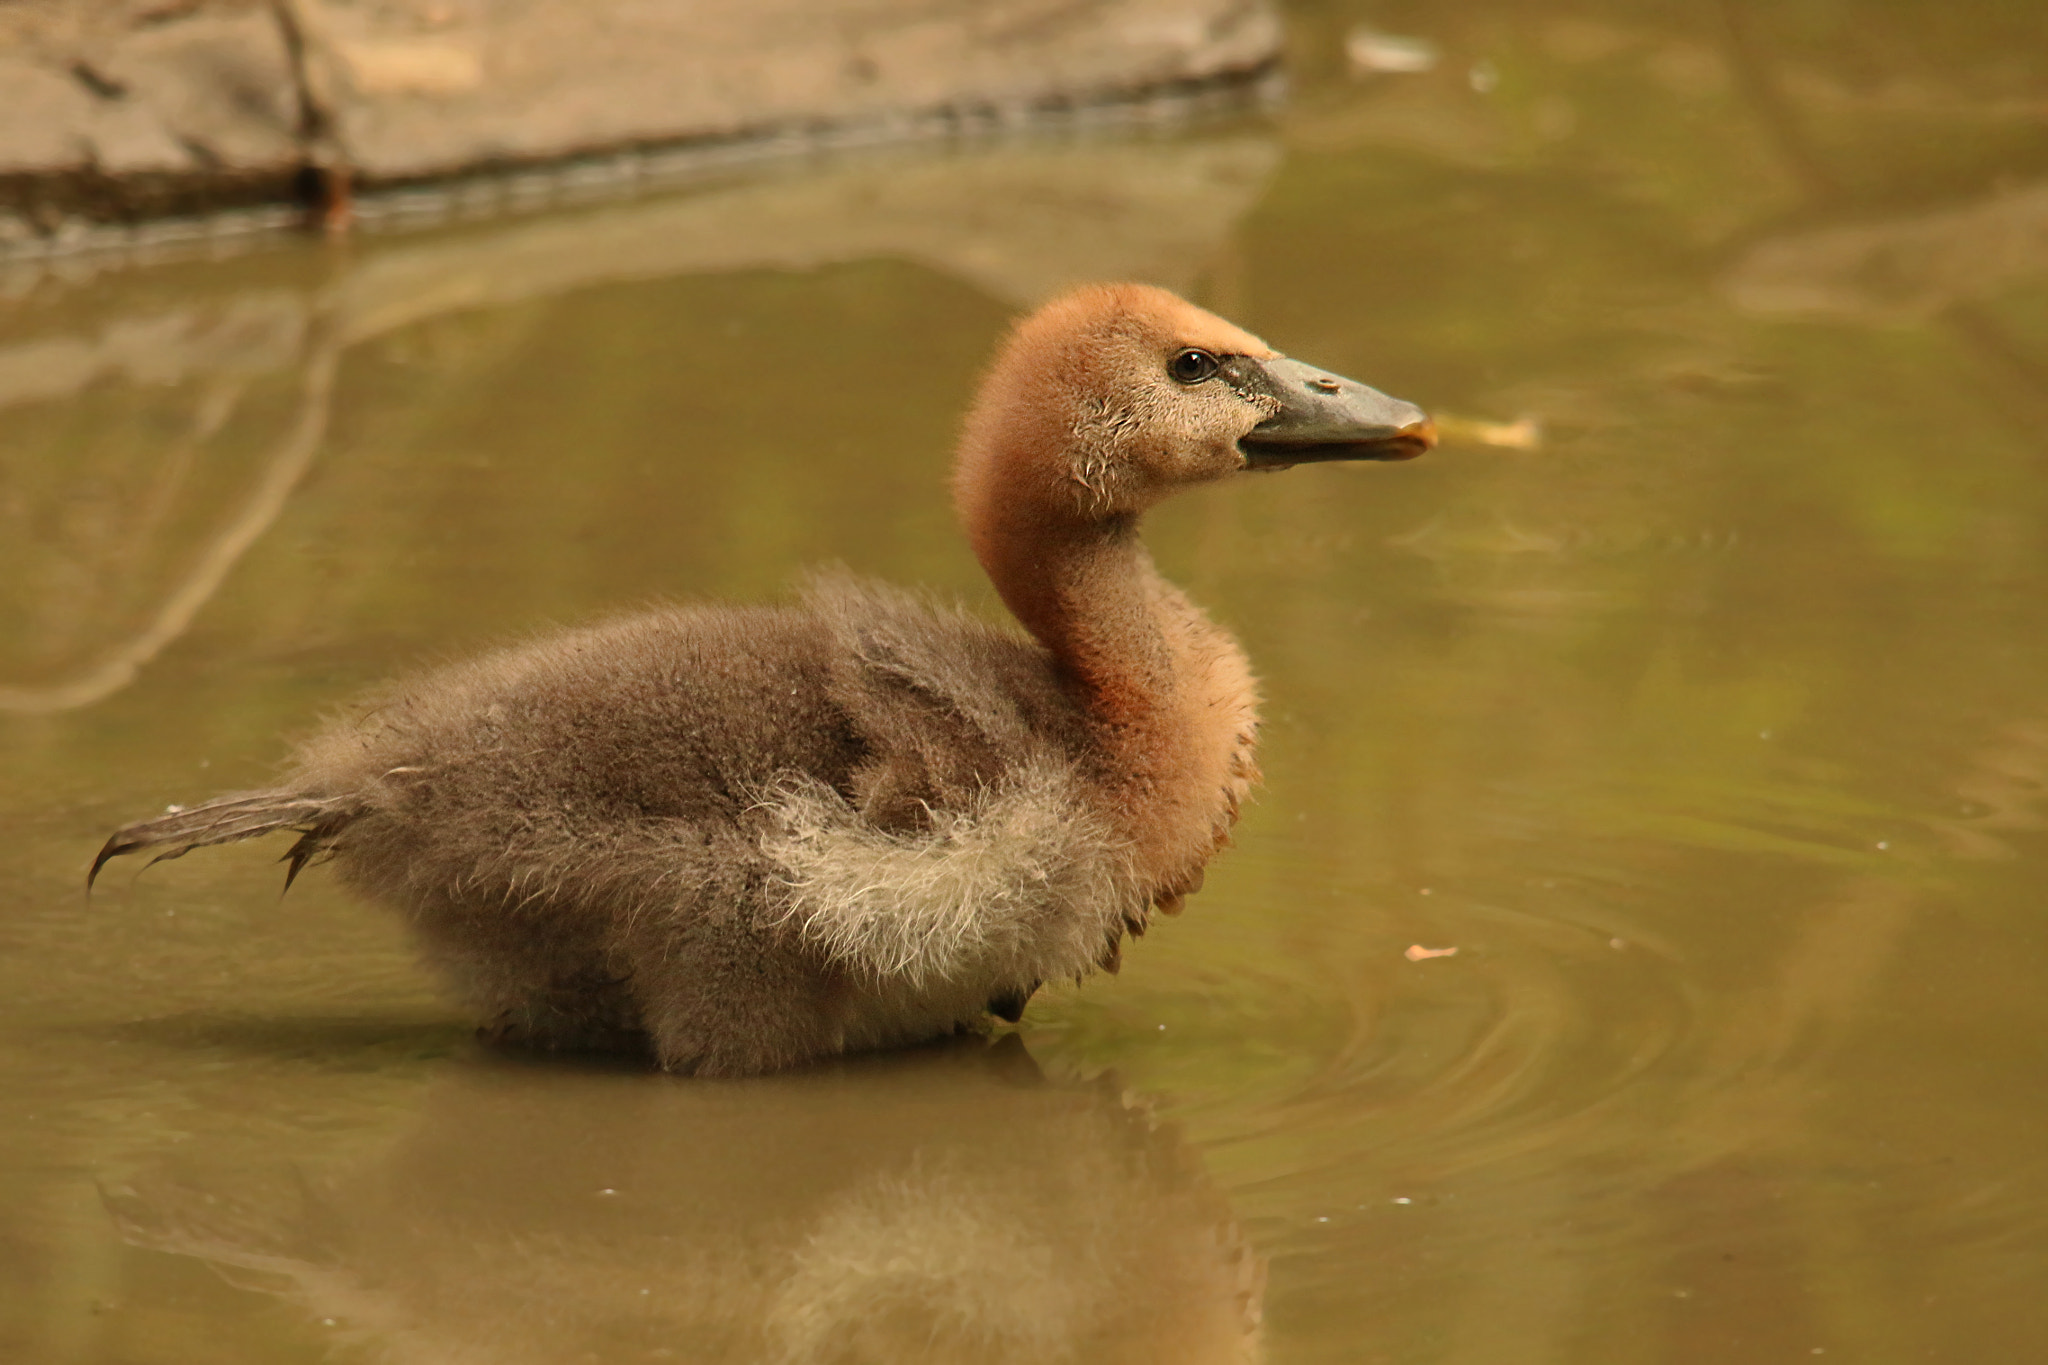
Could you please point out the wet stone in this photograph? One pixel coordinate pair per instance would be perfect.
(122, 112)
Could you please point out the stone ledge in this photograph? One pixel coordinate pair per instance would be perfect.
(121, 113)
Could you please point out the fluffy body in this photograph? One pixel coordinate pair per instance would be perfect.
(754, 836)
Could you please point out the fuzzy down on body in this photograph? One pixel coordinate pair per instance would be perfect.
(683, 871)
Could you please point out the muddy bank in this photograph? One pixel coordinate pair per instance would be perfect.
(122, 111)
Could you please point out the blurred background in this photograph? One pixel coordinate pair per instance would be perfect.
(1695, 691)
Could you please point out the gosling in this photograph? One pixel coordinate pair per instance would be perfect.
(749, 837)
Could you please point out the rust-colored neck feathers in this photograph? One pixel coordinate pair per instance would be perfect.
(1051, 507)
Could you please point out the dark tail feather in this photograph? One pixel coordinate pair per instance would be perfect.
(229, 819)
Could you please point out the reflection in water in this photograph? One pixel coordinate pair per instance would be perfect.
(1902, 270)
(217, 556)
(1017, 222)
(945, 1205)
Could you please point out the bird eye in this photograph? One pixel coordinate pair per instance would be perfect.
(1192, 366)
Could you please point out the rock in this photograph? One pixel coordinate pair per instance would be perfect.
(219, 85)
(424, 87)
(121, 111)
(102, 121)
(43, 121)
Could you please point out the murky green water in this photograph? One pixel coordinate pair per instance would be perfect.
(1711, 731)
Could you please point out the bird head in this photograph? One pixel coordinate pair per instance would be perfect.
(1111, 397)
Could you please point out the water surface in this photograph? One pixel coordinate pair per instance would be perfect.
(1703, 714)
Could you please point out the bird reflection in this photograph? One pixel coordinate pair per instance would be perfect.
(942, 1205)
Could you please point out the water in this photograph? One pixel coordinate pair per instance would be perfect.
(1710, 731)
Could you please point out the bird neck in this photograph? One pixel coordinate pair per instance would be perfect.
(1169, 698)
(1090, 593)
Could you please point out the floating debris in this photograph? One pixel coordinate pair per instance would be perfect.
(1417, 953)
(1373, 53)
(1524, 433)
